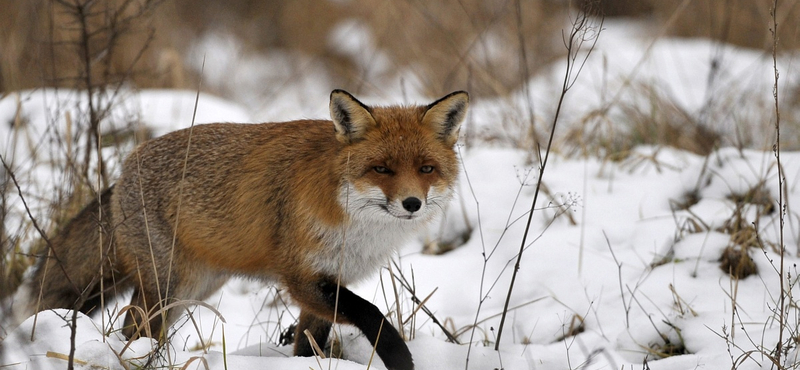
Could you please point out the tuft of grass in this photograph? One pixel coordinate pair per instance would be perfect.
(736, 259)
(652, 118)
(667, 349)
(736, 262)
(758, 196)
(686, 201)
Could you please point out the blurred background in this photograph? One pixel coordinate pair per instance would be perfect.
(487, 46)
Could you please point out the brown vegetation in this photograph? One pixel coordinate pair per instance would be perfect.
(450, 44)
(445, 42)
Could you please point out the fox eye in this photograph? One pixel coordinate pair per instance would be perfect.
(426, 169)
(382, 170)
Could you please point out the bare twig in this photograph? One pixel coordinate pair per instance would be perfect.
(625, 307)
(781, 209)
(100, 29)
(398, 311)
(33, 220)
(582, 27)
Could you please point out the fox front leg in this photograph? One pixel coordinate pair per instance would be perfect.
(320, 298)
(318, 327)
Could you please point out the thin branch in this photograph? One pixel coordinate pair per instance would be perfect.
(404, 283)
(573, 44)
(777, 148)
(33, 220)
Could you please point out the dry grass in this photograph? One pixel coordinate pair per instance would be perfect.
(737, 262)
(41, 38)
(653, 118)
(449, 44)
(739, 22)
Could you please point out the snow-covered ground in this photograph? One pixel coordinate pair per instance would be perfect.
(621, 266)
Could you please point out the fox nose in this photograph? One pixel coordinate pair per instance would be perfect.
(412, 204)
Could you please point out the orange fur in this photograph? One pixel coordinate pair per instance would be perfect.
(306, 203)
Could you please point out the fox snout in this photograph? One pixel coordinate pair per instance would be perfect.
(412, 204)
(408, 207)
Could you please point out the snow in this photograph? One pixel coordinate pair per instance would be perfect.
(633, 268)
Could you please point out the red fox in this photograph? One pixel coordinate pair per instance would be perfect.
(314, 205)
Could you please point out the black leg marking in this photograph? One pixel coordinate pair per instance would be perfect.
(365, 316)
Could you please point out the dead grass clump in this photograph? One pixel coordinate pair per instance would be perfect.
(686, 201)
(663, 122)
(743, 233)
(651, 118)
(737, 263)
(667, 349)
(441, 246)
(758, 196)
(735, 259)
(669, 345)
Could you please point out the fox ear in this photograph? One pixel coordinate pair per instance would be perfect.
(351, 118)
(446, 114)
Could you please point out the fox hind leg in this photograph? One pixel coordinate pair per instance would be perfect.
(194, 284)
(141, 306)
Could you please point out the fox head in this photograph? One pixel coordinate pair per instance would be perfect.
(399, 160)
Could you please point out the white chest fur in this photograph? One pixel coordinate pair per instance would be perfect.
(358, 249)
